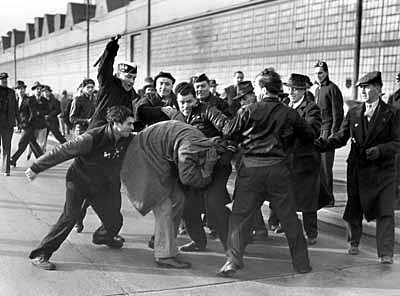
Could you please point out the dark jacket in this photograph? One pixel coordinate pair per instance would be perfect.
(305, 160)
(219, 103)
(54, 110)
(267, 129)
(148, 109)
(40, 107)
(82, 108)
(111, 93)
(330, 100)
(8, 108)
(366, 179)
(98, 157)
(394, 99)
(26, 112)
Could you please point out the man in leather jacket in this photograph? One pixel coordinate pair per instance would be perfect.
(95, 175)
(266, 131)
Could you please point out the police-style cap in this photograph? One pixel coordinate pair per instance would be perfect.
(3, 75)
(127, 68)
(322, 64)
(20, 84)
(370, 78)
(201, 78)
(164, 75)
(243, 88)
(36, 84)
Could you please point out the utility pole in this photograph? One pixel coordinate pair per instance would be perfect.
(357, 47)
(87, 39)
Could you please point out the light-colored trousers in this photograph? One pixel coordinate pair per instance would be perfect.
(167, 215)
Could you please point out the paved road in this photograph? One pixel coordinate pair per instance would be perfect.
(27, 210)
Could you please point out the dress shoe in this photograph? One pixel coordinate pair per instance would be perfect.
(305, 269)
(151, 242)
(6, 174)
(78, 227)
(172, 262)
(191, 247)
(43, 263)
(111, 243)
(279, 229)
(260, 235)
(353, 250)
(386, 260)
(13, 163)
(229, 269)
(120, 238)
(311, 241)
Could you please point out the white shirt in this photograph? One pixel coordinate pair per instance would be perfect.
(294, 105)
(370, 109)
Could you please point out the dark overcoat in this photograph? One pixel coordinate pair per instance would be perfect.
(370, 180)
(305, 160)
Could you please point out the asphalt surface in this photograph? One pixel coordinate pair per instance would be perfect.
(28, 209)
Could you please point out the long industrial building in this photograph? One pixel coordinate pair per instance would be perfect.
(216, 37)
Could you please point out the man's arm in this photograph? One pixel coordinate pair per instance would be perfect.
(234, 127)
(215, 117)
(81, 145)
(105, 70)
(337, 109)
(389, 149)
(74, 116)
(313, 119)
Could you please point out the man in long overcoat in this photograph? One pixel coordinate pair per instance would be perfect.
(374, 130)
(160, 161)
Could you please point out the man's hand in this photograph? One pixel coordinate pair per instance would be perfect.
(169, 111)
(31, 175)
(320, 144)
(373, 153)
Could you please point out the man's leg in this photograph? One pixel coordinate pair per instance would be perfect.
(284, 205)
(7, 137)
(55, 130)
(327, 159)
(59, 231)
(194, 203)
(385, 224)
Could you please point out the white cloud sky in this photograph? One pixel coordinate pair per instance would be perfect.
(14, 14)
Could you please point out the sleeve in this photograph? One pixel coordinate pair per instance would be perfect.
(215, 117)
(148, 114)
(55, 108)
(302, 128)
(389, 149)
(106, 65)
(74, 114)
(340, 138)
(235, 126)
(337, 109)
(81, 145)
(313, 119)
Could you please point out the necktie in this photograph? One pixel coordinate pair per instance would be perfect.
(368, 111)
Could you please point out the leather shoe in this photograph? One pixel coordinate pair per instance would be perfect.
(260, 235)
(229, 269)
(120, 238)
(353, 250)
(191, 247)
(111, 243)
(78, 227)
(311, 241)
(386, 260)
(305, 269)
(43, 263)
(172, 262)
(151, 242)
(279, 229)
(6, 174)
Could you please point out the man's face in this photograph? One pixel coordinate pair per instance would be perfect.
(37, 91)
(248, 99)
(239, 77)
(126, 128)
(295, 94)
(319, 74)
(88, 89)
(127, 80)
(257, 89)
(186, 103)
(164, 86)
(3, 82)
(370, 93)
(213, 89)
(46, 93)
(150, 90)
(21, 91)
(202, 89)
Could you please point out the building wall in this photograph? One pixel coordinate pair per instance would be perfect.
(220, 37)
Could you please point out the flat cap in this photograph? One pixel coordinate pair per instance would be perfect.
(370, 78)
(127, 67)
(201, 78)
(165, 75)
(3, 75)
(243, 88)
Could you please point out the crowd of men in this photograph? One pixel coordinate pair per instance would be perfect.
(173, 149)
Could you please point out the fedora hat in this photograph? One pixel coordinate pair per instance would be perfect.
(297, 81)
(35, 85)
(243, 88)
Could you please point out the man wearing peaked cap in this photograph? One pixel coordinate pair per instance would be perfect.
(374, 128)
(114, 90)
(8, 107)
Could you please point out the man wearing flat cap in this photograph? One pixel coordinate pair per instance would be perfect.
(374, 130)
(8, 113)
(304, 159)
(159, 106)
(330, 100)
(113, 90)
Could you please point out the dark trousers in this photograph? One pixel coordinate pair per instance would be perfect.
(310, 222)
(54, 128)
(327, 159)
(5, 140)
(253, 186)
(27, 138)
(258, 223)
(106, 202)
(213, 200)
